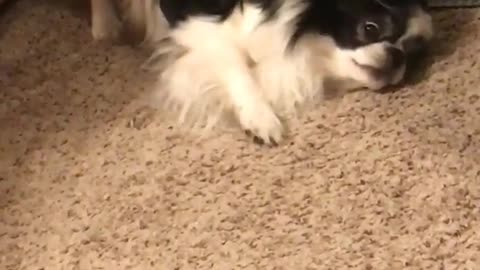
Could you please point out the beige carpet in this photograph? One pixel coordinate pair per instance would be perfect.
(367, 181)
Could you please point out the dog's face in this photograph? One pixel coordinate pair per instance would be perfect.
(375, 38)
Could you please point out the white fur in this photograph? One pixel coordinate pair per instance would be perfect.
(241, 67)
(238, 67)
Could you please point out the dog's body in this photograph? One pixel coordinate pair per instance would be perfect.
(263, 59)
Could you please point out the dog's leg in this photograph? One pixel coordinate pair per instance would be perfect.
(254, 114)
(145, 20)
(133, 12)
(105, 22)
(156, 24)
(217, 72)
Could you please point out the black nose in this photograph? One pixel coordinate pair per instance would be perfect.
(395, 58)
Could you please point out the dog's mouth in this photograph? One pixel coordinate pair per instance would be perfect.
(380, 77)
(377, 78)
(376, 72)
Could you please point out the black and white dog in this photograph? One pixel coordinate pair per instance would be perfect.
(261, 60)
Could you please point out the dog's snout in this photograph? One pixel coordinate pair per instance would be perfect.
(395, 58)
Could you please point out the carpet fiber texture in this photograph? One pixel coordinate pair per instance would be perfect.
(90, 180)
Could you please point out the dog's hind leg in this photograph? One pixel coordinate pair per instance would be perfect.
(156, 25)
(144, 20)
(105, 22)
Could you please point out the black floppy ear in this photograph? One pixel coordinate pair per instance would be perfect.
(172, 10)
(178, 10)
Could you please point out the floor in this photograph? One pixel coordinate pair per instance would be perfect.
(88, 180)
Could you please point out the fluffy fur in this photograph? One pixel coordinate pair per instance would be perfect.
(262, 60)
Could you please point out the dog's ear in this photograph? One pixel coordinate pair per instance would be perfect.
(171, 9)
(178, 10)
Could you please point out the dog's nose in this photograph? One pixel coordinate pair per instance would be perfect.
(395, 58)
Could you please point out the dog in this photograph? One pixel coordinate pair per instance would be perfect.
(263, 60)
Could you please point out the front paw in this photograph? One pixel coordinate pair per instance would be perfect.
(261, 122)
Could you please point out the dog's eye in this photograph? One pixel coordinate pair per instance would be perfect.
(372, 31)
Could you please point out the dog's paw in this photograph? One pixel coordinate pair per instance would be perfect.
(261, 122)
(106, 28)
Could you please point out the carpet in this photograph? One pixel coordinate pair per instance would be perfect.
(91, 180)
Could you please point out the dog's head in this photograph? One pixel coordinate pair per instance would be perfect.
(374, 39)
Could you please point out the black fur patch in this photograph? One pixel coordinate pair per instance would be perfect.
(269, 7)
(341, 19)
(176, 11)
